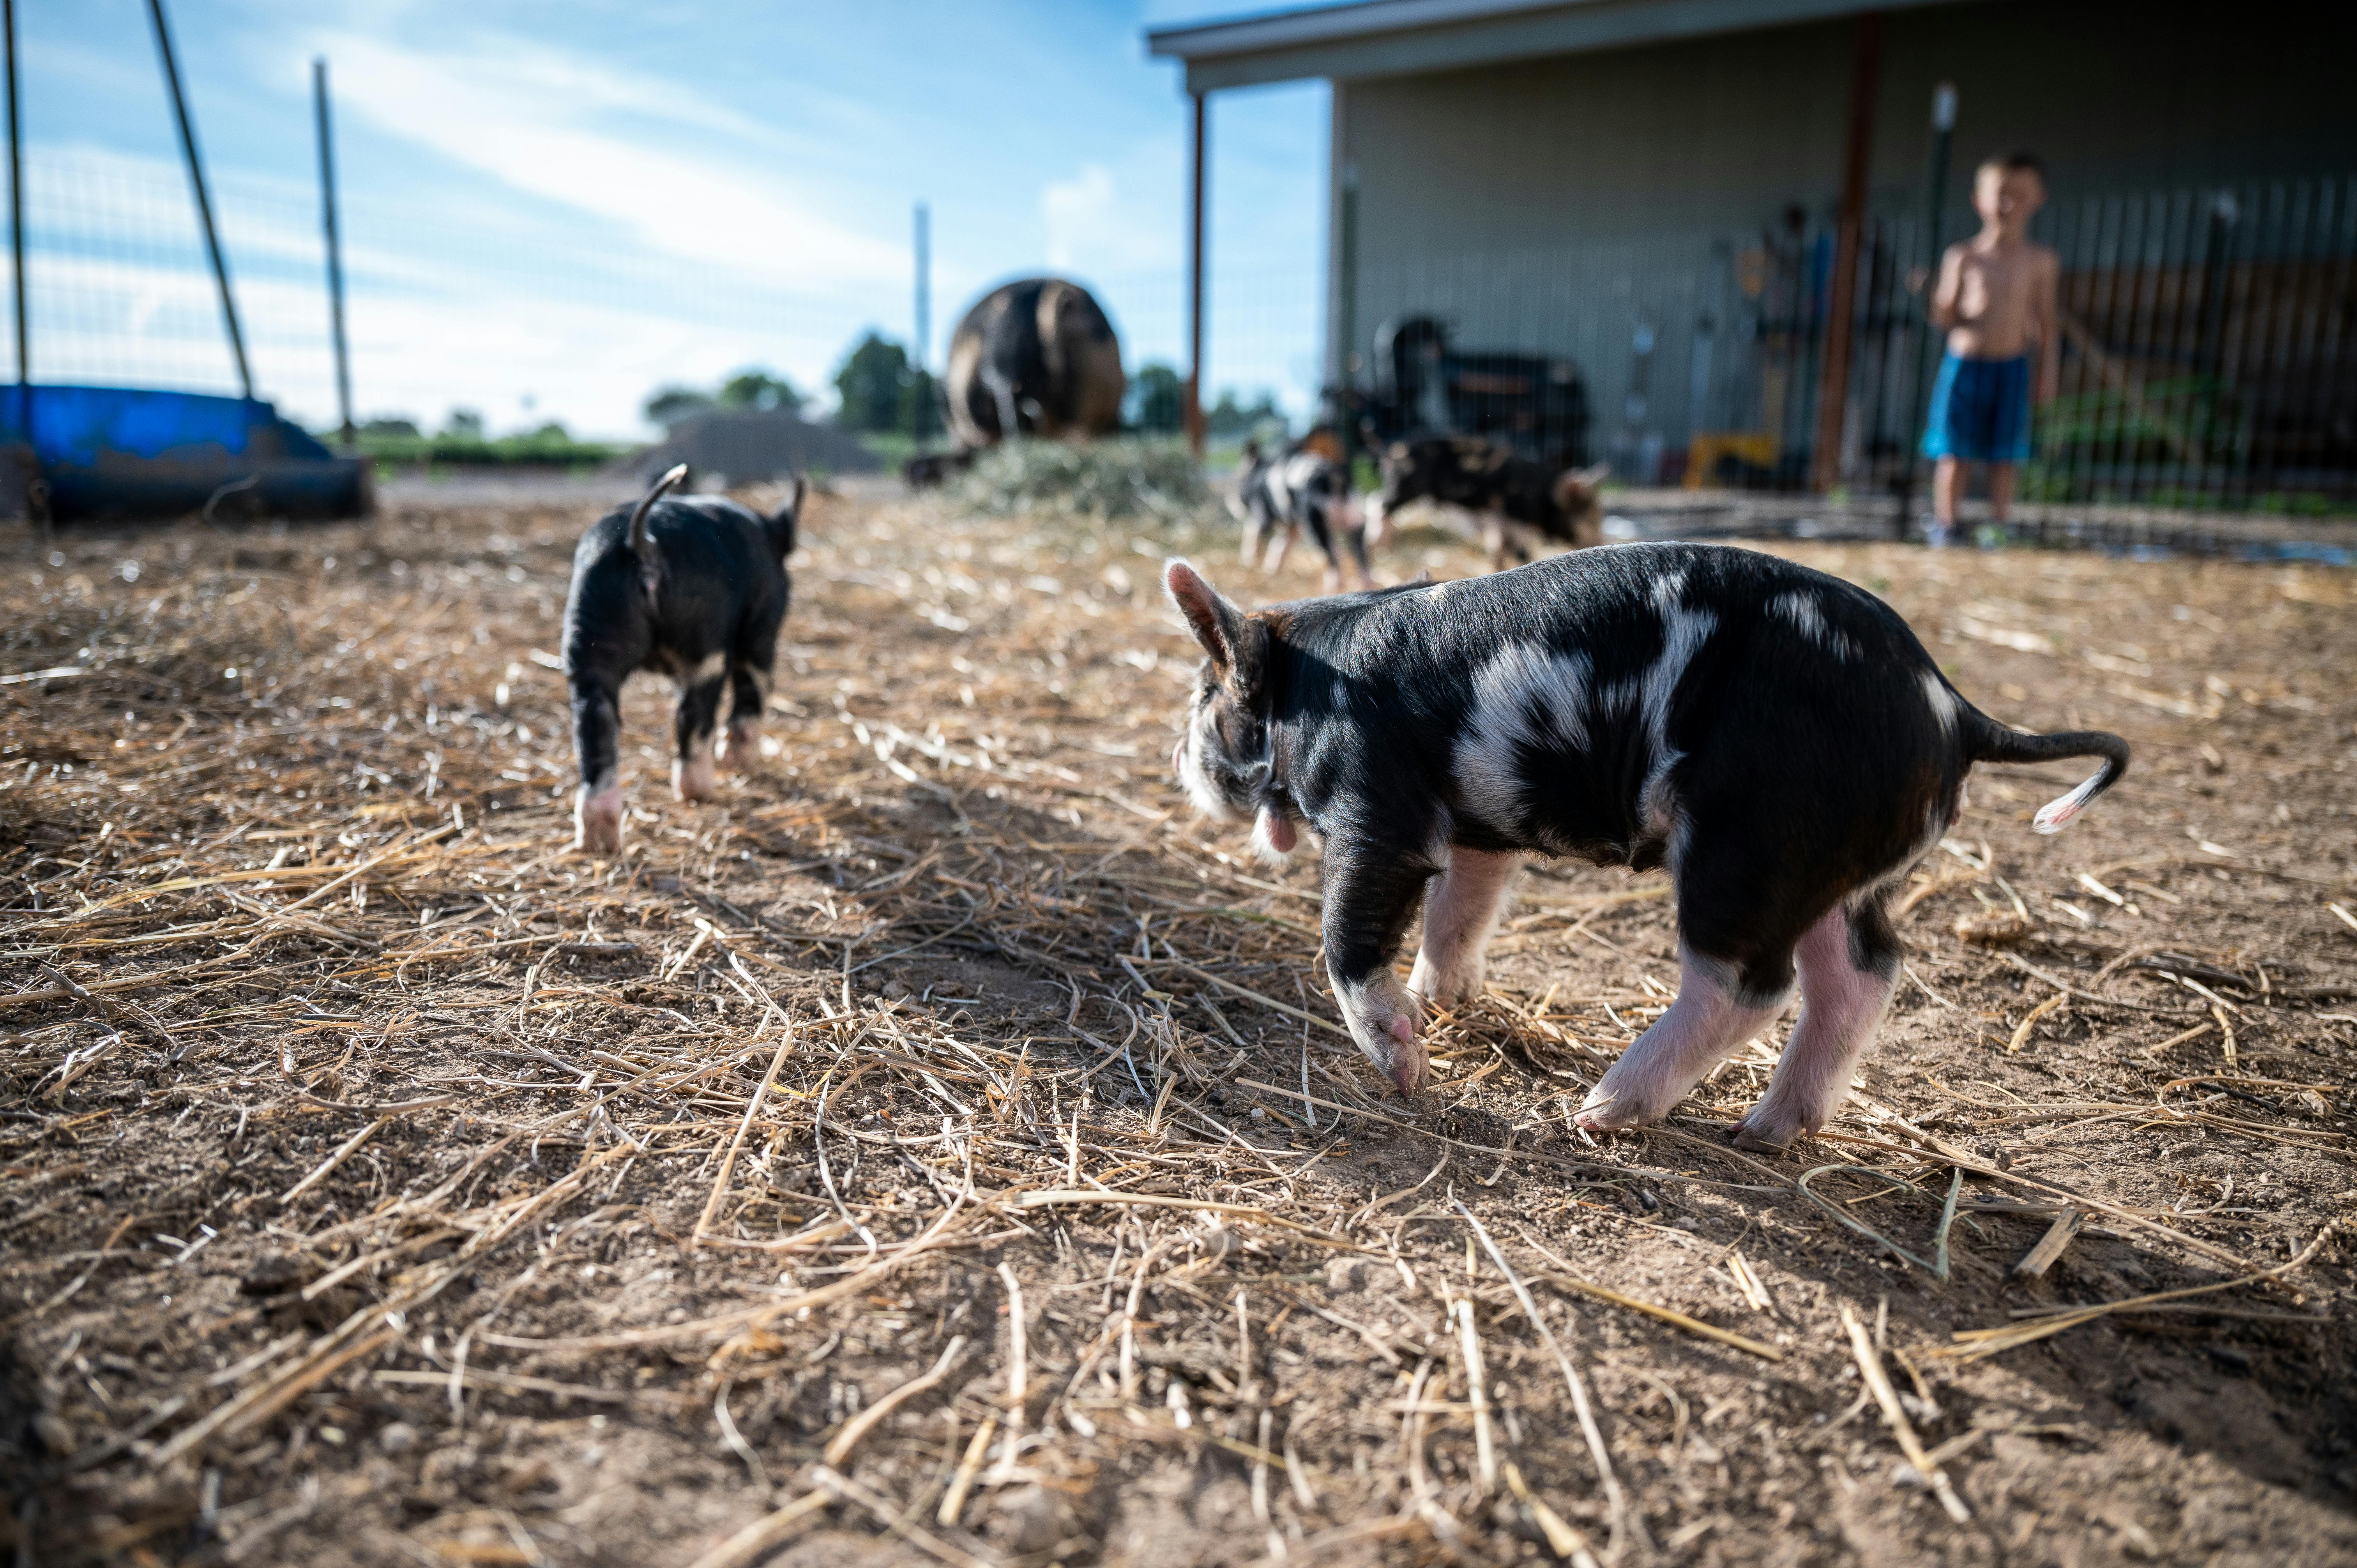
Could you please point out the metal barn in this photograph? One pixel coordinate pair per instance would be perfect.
(1716, 209)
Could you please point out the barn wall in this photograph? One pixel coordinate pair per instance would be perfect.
(1728, 129)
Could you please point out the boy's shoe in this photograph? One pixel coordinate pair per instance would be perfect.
(1934, 531)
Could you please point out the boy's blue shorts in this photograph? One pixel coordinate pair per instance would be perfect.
(1980, 410)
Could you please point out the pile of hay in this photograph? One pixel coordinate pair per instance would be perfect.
(1103, 479)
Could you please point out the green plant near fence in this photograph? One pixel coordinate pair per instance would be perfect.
(2174, 443)
(2180, 417)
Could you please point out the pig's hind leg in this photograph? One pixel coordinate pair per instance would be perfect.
(1849, 966)
(1281, 534)
(1712, 1015)
(740, 746)
(1255, 516)
(691, 725)
(596, 743)
(750, 669)
(1334, 525)
(1741, 909)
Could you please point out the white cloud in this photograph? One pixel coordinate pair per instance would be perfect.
(414, 352)
(1119, 218)
(1076, 211)
(594, 139)
(121, 296)
(578, 203)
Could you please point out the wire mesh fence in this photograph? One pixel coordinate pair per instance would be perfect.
(2208, 357)
(474, 308)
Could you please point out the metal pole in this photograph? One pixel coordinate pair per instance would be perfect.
(335, 252)
(2208, 357)
(1347, 322)
(204, 202)
(16, 224)
(1194, 390)
(1833, 385)
(1935, 210)
(924, 284)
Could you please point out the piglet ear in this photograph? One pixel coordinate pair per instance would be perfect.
(1576, 486)
(1237, 644)
(1214, 621)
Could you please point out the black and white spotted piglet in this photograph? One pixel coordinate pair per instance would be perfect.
(695, 589)
(1775, 736)
(1300, 488)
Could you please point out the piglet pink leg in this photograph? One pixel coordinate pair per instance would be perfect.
(741, 745)
(598, 819)
(692, 776)
(1702, 1026)
(1840, 1004)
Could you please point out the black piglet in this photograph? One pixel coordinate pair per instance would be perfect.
(695, 590)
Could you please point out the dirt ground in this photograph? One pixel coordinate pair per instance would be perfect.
(938, 1149)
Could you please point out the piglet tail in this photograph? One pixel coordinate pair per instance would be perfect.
(642, 545)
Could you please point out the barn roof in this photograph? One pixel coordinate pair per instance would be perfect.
(1389, 37)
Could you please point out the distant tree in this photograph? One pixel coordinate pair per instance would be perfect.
(670, 404)
(872, 385)
(1158, 400)
(757, 389)
(391, 425)
(1227, 417)
(466, 423)
(921, 406)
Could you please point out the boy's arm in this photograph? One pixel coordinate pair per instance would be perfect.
(1952, 280)
(2047, 313)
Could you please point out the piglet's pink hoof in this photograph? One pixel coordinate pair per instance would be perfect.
(1407, 1057)
(693, 779)
(740, 749)
(597, 823)
(1763, 1135)
(1605, 1114)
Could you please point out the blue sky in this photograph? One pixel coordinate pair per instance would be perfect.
(551, 206)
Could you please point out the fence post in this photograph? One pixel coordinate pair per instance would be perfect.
(1194, 390)
(1935, 216)
(1832, 393)
(921, 420)
(2209, 360)
(16, 225)
(335, 252)
(1346, 312)
(204, 202)
(28, 463)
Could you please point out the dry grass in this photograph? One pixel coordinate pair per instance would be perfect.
(937, 1150)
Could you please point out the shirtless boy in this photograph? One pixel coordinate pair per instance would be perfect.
(1995, 301)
